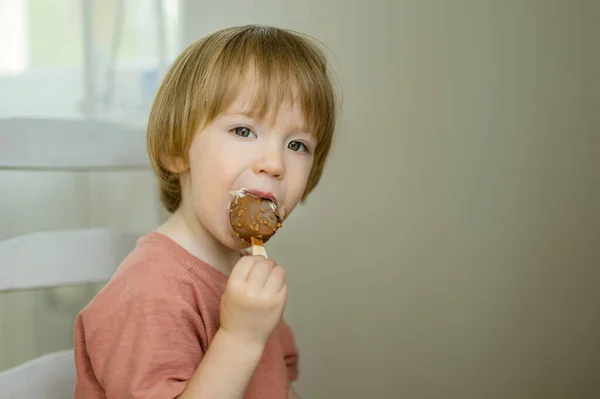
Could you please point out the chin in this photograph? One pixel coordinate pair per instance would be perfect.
(233, 242)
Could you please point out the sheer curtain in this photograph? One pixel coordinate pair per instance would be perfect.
(80, 59)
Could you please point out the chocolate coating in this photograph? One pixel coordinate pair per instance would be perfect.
(252, 216)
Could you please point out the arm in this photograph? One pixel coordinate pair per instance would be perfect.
(151, 356)
(147, 346)
(251, 307)
(225, 370)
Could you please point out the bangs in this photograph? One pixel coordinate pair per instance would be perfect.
(285, 71)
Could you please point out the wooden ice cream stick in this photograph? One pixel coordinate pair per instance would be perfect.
(257, 247)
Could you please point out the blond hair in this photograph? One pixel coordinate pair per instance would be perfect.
(204, 81)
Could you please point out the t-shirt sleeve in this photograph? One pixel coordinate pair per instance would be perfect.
(149, 348)
(290, 351)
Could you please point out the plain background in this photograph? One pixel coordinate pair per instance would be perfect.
(451, 249)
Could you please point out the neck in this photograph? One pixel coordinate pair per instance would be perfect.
(185, 229)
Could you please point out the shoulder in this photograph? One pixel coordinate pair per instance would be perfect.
(150, 279)
(143, 331)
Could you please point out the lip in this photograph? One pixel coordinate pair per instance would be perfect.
(263, 194)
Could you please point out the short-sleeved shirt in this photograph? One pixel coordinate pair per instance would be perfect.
(145, 333)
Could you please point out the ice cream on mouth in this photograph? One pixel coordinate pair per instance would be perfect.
(254, 219)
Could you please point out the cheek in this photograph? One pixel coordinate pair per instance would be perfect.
(297, 183)
(205, 182)
(213, 175)
(215, 161)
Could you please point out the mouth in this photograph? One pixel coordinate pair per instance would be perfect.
(266, 195)
(261, 194)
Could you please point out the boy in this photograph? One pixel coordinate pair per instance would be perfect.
(188, 314)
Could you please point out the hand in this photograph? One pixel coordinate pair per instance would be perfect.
(254, 299)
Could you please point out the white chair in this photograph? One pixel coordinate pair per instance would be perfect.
(46, 258)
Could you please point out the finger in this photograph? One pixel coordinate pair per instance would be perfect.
(243, 266)
(260, 272)
(283, 292)
(276, 279)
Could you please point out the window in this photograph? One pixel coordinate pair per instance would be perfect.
(14, 46)
(77, 58)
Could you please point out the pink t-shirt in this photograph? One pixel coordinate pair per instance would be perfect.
(145, 333)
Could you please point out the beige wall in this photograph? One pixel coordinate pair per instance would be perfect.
(451, 249)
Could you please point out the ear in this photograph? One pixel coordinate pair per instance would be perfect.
(176, 165)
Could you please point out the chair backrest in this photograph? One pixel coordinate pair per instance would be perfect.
(53, 258)
(51, 376)
(38, 143)
(48, 259)
(62, 257)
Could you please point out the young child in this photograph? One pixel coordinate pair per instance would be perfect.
(188, 314)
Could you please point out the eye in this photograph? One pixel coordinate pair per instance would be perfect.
(243, 131)
(298, 146)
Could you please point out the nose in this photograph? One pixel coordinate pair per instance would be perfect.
(270, 162)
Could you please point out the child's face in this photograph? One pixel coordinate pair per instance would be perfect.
(236, 151)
